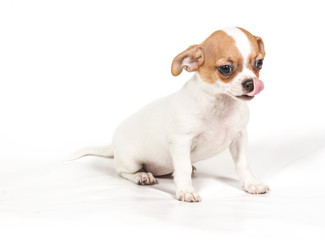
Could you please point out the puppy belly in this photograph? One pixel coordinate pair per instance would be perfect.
(158, 169)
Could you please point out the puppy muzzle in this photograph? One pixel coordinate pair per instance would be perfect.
(254, 87)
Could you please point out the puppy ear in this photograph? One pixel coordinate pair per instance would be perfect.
(191, 59)
(260, 44)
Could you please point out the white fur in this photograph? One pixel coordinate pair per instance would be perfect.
(244, 47)
(193, 124)
(242, 42)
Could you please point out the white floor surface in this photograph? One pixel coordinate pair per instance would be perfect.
(86, 198)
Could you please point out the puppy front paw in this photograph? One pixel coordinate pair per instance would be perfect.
(256, 188)
(188, 196)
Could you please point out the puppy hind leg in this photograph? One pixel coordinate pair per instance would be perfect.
(141, 178)
(133, 171)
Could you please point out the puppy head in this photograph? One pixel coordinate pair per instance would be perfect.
(229, 60)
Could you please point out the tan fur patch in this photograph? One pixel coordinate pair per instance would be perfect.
(220, 49)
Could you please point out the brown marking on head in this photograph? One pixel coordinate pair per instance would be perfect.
(220, 49)
(217, 50)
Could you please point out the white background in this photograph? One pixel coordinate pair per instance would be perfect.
(71, 71)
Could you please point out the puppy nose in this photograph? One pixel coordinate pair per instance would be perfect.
(248, 85)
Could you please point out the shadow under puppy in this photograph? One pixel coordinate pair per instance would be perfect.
(208, 115)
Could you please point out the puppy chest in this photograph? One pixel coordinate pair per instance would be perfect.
(217, 134)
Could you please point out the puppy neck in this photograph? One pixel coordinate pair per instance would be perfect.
(205, 93)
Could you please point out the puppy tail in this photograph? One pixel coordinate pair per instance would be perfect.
(100, 151)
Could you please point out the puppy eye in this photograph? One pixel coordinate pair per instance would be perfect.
(259, 64)
(225, 70)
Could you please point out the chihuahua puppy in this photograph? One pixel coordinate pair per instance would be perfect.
(207, 116)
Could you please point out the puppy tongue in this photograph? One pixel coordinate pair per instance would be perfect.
(258, 87)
